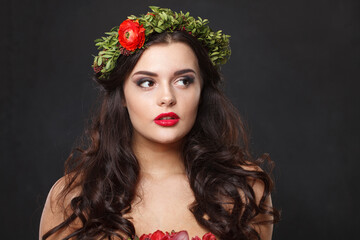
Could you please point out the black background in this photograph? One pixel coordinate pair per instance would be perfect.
(293, 74)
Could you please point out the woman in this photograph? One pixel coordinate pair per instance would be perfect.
(167, 150)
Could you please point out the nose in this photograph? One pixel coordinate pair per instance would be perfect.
(166, 96)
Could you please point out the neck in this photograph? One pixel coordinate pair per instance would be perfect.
(158, 159)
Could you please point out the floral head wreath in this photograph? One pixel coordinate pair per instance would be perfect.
(134, 32)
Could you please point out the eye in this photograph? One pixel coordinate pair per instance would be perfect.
(145, 83)
(184, 81)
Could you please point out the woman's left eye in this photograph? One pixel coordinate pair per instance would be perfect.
(184, 81)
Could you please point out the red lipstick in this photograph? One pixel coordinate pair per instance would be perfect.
(167, 119)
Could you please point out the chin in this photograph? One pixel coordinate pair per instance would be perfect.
(167, 139)
(162, 136)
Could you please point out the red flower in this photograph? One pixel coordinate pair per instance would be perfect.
(182, 235)
(145, 237)
(158, 235)
(208, 236)
(131, 34)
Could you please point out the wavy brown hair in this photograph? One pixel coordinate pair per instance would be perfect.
(214, 152)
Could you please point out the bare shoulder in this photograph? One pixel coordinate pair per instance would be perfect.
(265, 230)
(56, 209)
(257, 185)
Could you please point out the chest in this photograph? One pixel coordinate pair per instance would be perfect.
(164, 205)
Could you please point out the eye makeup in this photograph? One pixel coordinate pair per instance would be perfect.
(149, 82)
(185, 80)
(145, 82)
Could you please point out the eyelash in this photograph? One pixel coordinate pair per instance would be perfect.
(186, 79)
(144, 80)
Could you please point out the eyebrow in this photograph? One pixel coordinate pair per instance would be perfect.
(152, 74)
(184, 71)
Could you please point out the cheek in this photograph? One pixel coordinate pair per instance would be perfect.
(191, 105)
(135, 107)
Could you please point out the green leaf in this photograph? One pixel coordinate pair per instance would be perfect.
(158, 30)
(108, 64)
(154, 8)
(99, 62)
(147, 32)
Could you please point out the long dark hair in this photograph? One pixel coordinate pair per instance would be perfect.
(215, 152)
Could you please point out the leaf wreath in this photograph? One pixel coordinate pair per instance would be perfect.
(158, 21)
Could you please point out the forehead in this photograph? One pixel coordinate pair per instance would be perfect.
(167, 58)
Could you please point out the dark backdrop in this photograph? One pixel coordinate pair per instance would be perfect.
(293, 74)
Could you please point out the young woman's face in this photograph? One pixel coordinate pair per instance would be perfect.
(162, 93)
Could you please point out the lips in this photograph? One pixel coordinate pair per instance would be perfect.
(167, 119)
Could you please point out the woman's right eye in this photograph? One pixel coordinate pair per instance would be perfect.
(145, 83)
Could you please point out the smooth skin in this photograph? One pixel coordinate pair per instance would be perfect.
(165, 79)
